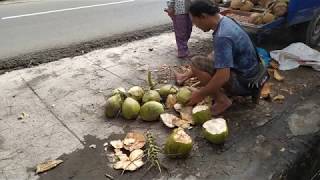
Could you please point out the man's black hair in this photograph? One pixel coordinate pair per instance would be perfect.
(200, 7)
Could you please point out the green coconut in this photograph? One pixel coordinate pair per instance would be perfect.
(201, 114)
(151, 111)
(121, 91)
(136, 93)
(113, 106)
(151, 95)
(215, 130)
(178, 144)
(167, 89)
(184, 95)
(130, 108)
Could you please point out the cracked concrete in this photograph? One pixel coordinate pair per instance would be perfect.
(64, 101)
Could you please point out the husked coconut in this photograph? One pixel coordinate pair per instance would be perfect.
(247, 6)
(268, 18)
(256, 18)
(236, 4)
(280, 9)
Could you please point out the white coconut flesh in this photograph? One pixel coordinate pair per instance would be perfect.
(215, 126)
(117, 144)
(199, 109)
(168, 119)
(177, 107)
(182, 137)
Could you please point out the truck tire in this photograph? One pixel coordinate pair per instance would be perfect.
(313, 32)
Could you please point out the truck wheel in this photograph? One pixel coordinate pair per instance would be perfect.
(313, 32)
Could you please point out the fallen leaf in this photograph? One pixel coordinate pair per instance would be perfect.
(277, 76)
(136, 154)
(93, 146)
(105, 144)
(43, 167)
(279, 98)
(134, 140)
(131, 163)
(266, 90)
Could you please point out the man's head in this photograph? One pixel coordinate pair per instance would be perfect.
(204, 14)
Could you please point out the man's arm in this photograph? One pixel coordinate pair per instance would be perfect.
(221, 77)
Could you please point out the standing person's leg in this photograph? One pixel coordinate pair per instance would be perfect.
(180, 24)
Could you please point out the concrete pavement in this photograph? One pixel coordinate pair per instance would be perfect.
(31, 26)
(64, 104)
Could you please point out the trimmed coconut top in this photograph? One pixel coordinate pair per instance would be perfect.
(136, 91)
(216, 126)
(182, 137)
(199, 109)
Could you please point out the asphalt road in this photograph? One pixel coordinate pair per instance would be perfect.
(38, 25)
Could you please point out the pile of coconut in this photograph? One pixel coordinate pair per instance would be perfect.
(272, 9)
(168, 105)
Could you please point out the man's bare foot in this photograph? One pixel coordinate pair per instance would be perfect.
(220, 107)
(182, 77)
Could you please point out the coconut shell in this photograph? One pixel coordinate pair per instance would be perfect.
(247, 6)
(268, 18)
(236, 4)
(201, 117)
(280, 9)
(215, 138)
(176, 149)
(256, 18)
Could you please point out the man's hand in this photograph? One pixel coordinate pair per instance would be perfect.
(170, 12)
(196, 97)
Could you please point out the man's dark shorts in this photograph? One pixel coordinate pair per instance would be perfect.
(234, 86)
